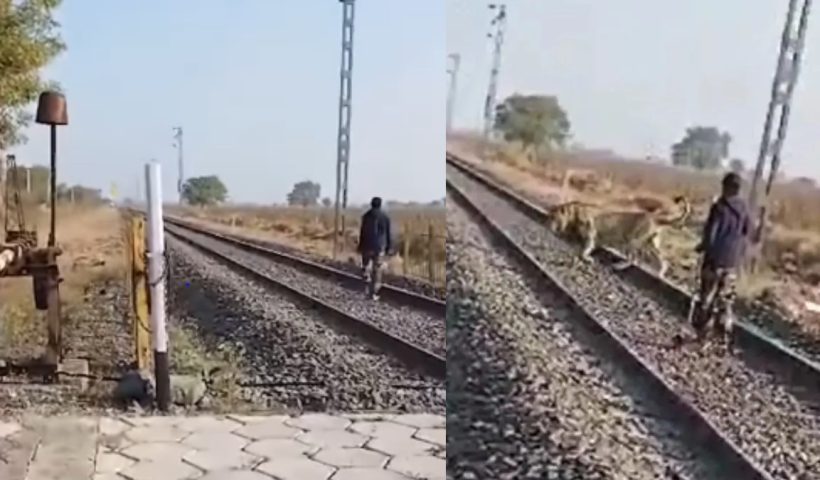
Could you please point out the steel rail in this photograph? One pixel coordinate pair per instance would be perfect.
(706, 433)
(388, 292)
(411, 355)
(794, 367)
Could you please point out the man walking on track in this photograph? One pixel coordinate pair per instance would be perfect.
(374, 241)
(723, 246)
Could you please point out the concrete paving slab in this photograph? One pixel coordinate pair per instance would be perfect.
(8, 428)
(383, 429)
(297, 469)
(421, 420)
(333, 438)
(209, 447)
(280, 448)
(351, 457)
(235, 475)
(427, 467)
(208, 424)
(367, 474)
(216, 441)
(436, 436)
(158, 451)
(272, 428)
(166, 469)
(401, 445)
(112, 463)
(67, 448)
(159, 433)
(112, 426)
(318, 421)
(16, 450)
(211, 460)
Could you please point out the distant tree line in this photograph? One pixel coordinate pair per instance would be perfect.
(33, 185)
(538, 123)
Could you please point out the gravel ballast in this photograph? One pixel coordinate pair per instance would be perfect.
(291, 359)
(406, 283)
(754, 408)
(525, 398)
(414, 326)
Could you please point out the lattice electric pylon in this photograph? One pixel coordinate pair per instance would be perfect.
(499, 22)
(345, 100)
(771, 145)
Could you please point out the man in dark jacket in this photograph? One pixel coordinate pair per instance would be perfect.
(374, 241)
(723, 247)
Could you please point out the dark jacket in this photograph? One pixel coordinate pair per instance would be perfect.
(725, 233)
(374, 235)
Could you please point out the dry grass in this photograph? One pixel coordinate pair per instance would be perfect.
(792, 246)
(311, 230)
(93, 247)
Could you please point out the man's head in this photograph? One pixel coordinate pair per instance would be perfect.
(376, 202)
(731, 184)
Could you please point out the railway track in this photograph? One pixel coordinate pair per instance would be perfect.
(411, 294)
(540, 382)
(407, 325)
(759, 407)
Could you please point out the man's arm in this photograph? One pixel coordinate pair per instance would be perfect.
(709, 229)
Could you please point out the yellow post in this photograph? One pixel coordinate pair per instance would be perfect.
(141, 330)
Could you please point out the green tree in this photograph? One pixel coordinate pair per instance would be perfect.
(305, 194)
(703, 148)
(28, 42)
(207, 190)
(534, 121)
(326, 202)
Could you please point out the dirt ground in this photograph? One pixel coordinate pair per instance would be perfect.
(97, 317)
(93, 247)
(788, 282)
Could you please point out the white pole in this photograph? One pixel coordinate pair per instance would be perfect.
(156, 274)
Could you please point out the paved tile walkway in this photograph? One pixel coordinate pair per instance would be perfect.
(231, 447)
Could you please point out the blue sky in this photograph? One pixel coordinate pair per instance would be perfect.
(255, 85)
(633, 74)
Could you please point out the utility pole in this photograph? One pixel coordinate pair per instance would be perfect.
(180, 161)
(156, 276)
(771, 144)
(499, 22)
(452, 71)
(343, 139)
(139, 190)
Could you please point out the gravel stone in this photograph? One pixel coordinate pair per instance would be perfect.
(773, 424)
(291, 359)
(526, 400)
(416, 326)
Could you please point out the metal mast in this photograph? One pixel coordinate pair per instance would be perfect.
(343, 142)
(180, 161)
(785, 79)
(452, 71)
(499, 22)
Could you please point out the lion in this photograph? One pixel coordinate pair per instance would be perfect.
(631, 232)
